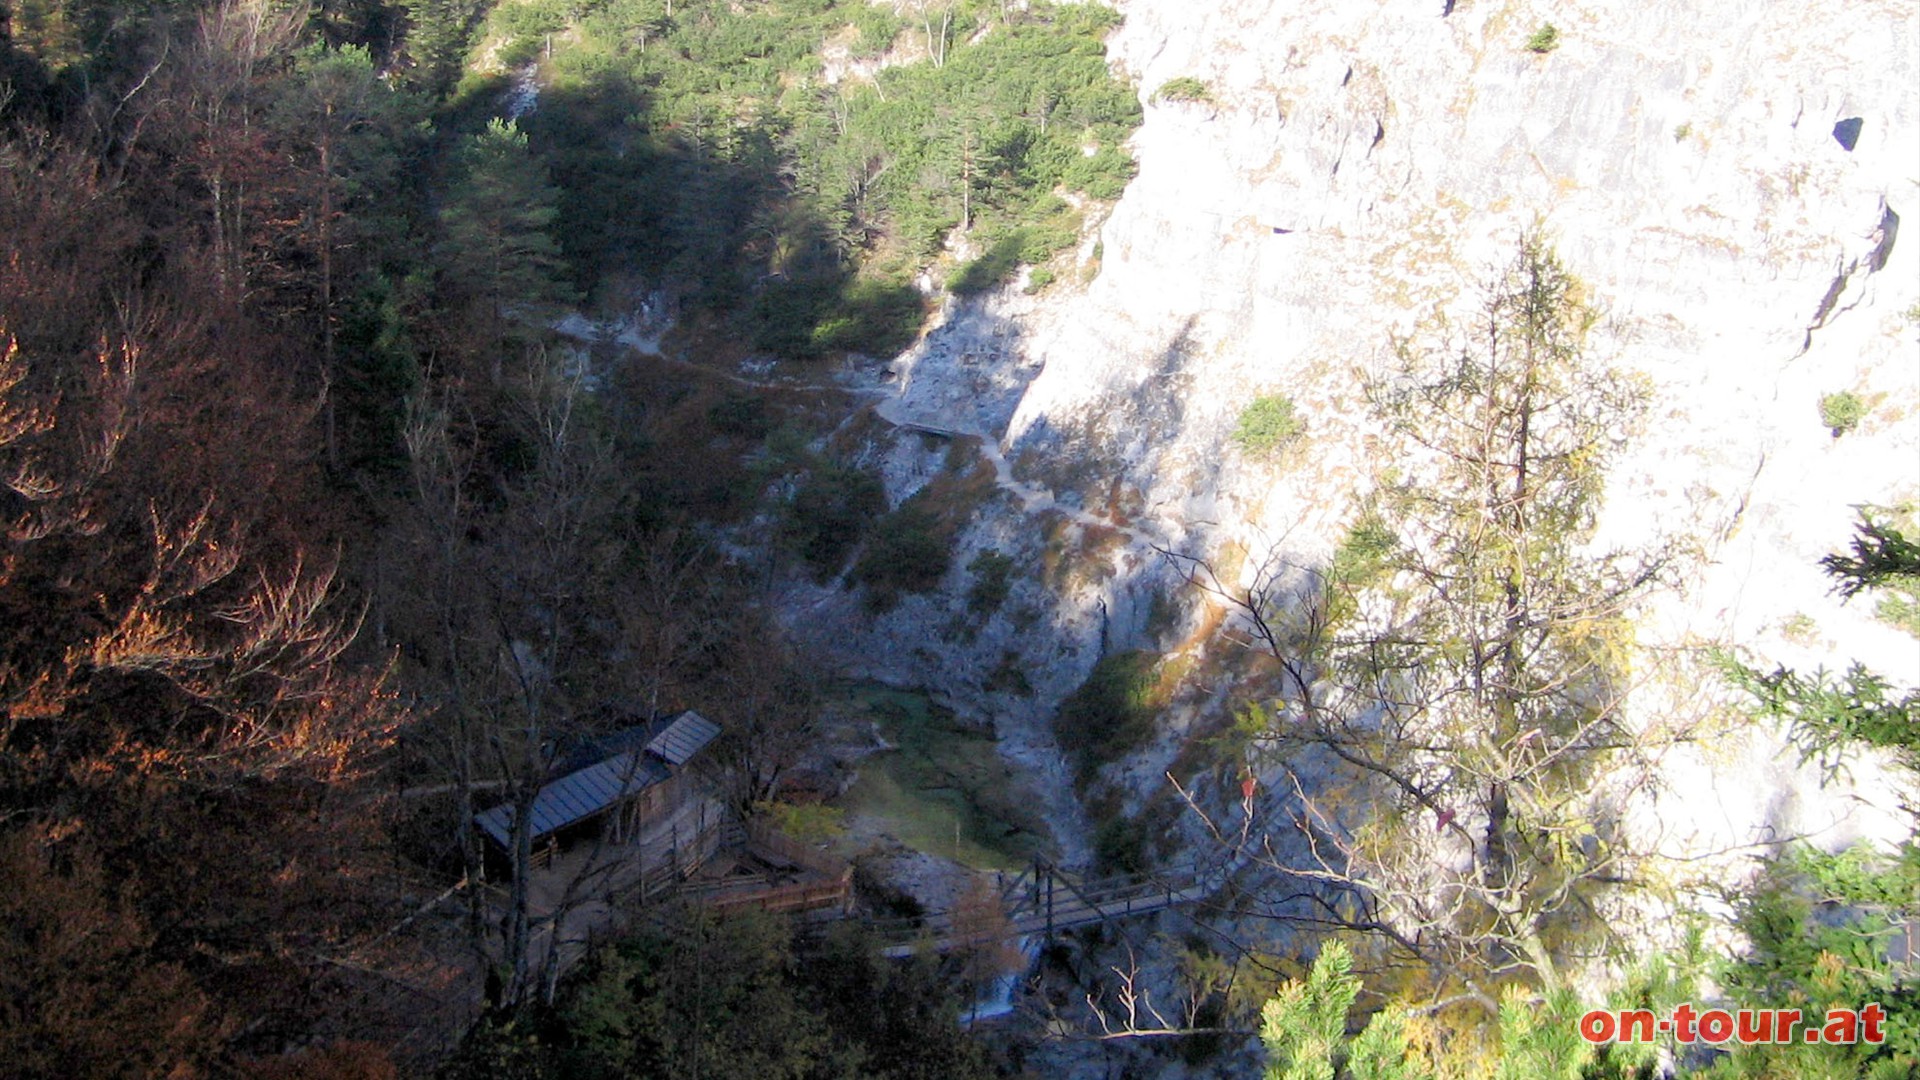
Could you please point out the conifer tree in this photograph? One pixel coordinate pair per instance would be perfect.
(1461, 661)
(438, 34)
(497, 247)
(343, 129)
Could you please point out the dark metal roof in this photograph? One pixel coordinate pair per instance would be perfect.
(587, 791)
(684, 736)
(577, 795)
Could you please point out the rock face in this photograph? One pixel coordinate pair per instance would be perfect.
(1737, 182)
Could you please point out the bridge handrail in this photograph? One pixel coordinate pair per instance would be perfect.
(1025, 907)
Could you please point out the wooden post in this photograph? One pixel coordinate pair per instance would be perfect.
(1049, 905)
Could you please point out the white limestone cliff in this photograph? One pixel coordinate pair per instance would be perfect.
(1360, 169)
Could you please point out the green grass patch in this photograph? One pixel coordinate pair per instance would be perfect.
(809, 822)
(944, 789)
(1544, 40)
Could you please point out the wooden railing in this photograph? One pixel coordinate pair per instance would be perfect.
(796, 897)
(663, 868)
(769, 841)
(759, 893)
(1044, 900)
(753, 891)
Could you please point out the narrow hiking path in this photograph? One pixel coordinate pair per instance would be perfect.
(644, 337)
(1033, 498)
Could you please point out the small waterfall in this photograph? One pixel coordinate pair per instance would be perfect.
(996, 1000)
(524, 96)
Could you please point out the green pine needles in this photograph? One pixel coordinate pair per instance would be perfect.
(1304, 1030)
(1268, 425)
(1184, 88)
(1842, 411)
(710, 148)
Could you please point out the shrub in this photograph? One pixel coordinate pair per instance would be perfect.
(1842, 412)
(830, 513)
(785, 314)
(1364, 558)
(994, 265)
(1126, 843)
(1901, 611)
(1799, 628)
(1008, 677)
(991, 572)
(742, 416)
(908, 553)
(1184, 88)
(1362, 555)
(878, 27)
(873, 317)
(1120, 844)
(1112, 712)
(1267, 425)
(1544, 40)
(807, 318)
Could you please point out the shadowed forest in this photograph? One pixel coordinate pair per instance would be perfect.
(317, 540)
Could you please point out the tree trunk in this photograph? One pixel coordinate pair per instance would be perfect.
(326, 290)
(519, 914)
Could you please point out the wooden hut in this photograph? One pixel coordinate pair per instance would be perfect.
(640, 780)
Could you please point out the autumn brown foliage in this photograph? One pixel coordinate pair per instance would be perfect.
(187, 837)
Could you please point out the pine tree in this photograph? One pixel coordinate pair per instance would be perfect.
(438, 35)
(343, 129)
(497, 247)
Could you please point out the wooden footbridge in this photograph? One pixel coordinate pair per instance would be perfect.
(1044, 900)
(930, 429)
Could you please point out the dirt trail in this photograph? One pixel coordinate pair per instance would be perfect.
(644, 337)
(1033, 498)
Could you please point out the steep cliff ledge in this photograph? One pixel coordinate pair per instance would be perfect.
(1730, 181)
